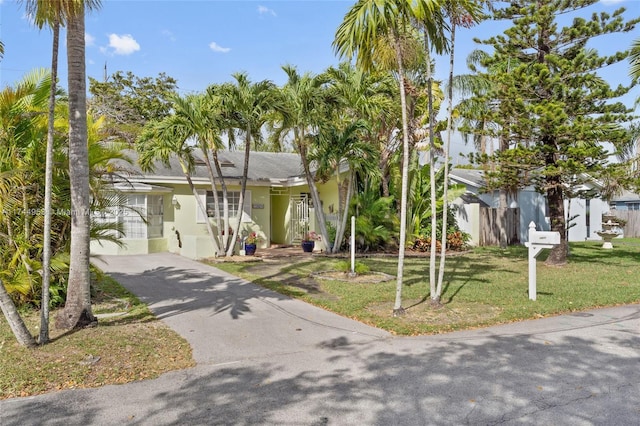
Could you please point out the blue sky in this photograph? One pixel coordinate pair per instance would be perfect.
(196, 42)
(204, 42)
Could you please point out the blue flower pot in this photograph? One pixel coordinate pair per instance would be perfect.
(307, 246)
(250, 249)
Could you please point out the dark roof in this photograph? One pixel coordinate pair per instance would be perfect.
(263, 166)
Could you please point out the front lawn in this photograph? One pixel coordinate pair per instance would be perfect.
(482, 287)
(128, 344)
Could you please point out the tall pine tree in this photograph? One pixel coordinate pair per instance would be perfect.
(554, 111)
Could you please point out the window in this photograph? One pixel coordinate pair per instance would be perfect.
(131, 211)
(633, 206)
(131, 216)
(155, 216)
(233, 198)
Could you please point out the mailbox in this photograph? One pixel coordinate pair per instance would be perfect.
(538, 240)
(544, 237)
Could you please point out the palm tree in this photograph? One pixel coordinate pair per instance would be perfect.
(371, 97)
(21, 128)
(359, 35)
(13, 318)
(77, 311)
(305, 109)
(199, 118)
(47, 13)
(333, 147)
(247, 106)
(634, 58)
(169, 137)
(461, 13)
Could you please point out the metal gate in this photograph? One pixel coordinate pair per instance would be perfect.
(299, 207)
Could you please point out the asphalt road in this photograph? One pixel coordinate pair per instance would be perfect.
(264, 359)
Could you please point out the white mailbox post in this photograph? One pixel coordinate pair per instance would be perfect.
(538, 240)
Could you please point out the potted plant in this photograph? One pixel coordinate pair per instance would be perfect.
(309, 241)
(251, 242)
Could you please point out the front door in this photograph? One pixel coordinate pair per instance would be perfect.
(299, 207)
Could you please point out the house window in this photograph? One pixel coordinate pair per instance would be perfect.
(633, 206)
(131, 216)
(155, 216)
(233, 198)
(139, 215)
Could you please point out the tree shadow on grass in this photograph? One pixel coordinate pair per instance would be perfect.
(567, 375)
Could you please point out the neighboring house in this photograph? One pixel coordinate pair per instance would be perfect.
(533, 208)
(277, 204)
(626, 201)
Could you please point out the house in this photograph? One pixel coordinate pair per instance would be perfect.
(627, 200)
(532, 207)
(160, 212)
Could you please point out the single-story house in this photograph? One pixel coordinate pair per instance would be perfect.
(627, 200)
(533, 207)
(161, 213)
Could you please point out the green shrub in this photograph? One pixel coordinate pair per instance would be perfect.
(345, 266)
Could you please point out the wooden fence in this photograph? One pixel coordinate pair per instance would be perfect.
(632, 217)
(493, 220)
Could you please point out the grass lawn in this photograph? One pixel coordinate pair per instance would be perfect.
(482, 287)
(131, 345)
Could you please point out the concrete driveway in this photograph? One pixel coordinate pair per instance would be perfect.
(266, 359)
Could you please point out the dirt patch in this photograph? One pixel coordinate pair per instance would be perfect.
(366, 278)
(233, 259)
(420, 312)
(272, 271)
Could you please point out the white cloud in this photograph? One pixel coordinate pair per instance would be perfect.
(264, 10)
(168, 34)
(217, 48)
(124, 44)
(89, 40)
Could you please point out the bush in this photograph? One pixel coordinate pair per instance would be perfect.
(456, 241)
(345, 266)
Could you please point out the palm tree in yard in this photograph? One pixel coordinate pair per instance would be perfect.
(77, 310)
(21, 127)
(333, 147)
(170, 137)
(53, 14)
(359, 35)
(371, 97)
(634, 58)
(306, 104)
(460, 13)
(247, 107)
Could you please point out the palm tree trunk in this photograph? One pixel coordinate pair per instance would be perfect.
(222, 234)
(314, 192)
(77, 311)
(202, 207)
(432, 177)
(345, 214)
(397, 307)
(225, 199)
(13, 318)
(243, 187)
(445, 207)
(48, 184)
